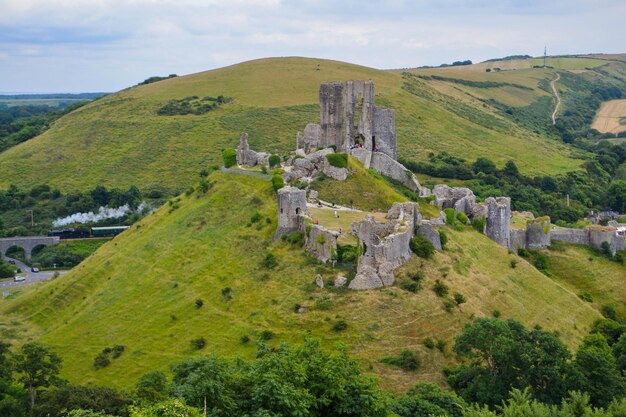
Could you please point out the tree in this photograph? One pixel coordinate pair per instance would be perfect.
(230, 157)
(484, 165)
(595, 371)
(510, 169)
(152, 387)
(37, 367)
(428, 400)
(619, 351)
(11, 394)
(502, 355)
(616, 196)
(54, 401)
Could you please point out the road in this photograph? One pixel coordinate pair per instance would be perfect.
(556, 95)
(31, 277)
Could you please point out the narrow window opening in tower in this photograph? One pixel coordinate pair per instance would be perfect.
(297, 210)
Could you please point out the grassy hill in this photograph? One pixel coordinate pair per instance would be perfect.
(120, 140)
(141, 289)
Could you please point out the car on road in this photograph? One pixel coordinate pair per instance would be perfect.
(34, 270)
(12, 261)
(19, 278)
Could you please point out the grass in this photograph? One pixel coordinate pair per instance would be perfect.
(326, 217)
(139, 290)
(611, 117)
(583, 270)
(361, 190)
(119, 140)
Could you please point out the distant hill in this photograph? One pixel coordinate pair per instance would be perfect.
(120, 140)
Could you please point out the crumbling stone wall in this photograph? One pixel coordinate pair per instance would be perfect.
(321, 242)
(246, 156)
(384, 246)
(498, 227)
(518, 239)
(461, 199)
(538, 233)
(427, 230)
(331, 114)
(577, 236)
(291, 209)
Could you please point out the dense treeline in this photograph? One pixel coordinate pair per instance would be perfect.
(20, 123)
(593, 189)
(504, 369)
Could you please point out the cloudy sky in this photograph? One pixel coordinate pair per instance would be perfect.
(107, 45)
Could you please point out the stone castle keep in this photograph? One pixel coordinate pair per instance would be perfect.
(350, 122)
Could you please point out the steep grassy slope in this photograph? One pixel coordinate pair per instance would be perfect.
(139, 290)
(119, 140)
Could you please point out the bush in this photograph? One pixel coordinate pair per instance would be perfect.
(608, 311)
(295, 238)
(443, 237)
(513, 263)
(541, 262)
(117, 351)
(479, 224)
(101, 361)
(277, 182)
(440, 288)
(429, 343)
(462, 217)
(441, 345)
(255, 217)
(198, 343)
(459, 298)
(199, 303)
(586, 297)
(410, 286)
(270, 261)
(407, 361)
(450, 214)
(245, 339)
(230, 157)
(274, 161)
(266, 335)
(338, 160)
(340, 326)
(422, 247)
(324, 303)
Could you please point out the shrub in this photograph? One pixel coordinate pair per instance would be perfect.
(295, 238)
(422, 247)
(541, 262)
(340, 326)
(448, 305)
(277, 182)
(440, 288)
(347, 253)
(443, 237)
(462, 217)
(101, 361)
(338, 160)
(410, 286)
(429, 343)
(198, 343)
(586, 297)
(407, 361)
(255, 217)
(270, 261)
(245, 339)
(441, 345)
(199, 303)
(274, 161)
(230, 157)
(266, 335)
(117, 351)
(227, 293)
(524, 253)
(450, 214)
(459, 298)
(608, 311)
(479, 225)
(513, 263)
(496, 313)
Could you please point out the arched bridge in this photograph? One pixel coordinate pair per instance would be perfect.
(28, 243)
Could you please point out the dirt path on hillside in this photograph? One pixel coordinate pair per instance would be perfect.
(556, 95)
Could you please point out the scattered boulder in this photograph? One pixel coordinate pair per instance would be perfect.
(340, 281)
(319, 281)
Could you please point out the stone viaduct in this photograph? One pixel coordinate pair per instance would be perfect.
(28, 243)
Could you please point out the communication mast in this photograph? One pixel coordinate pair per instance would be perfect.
(545, 50)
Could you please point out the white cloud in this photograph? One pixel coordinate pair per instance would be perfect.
(110, 44)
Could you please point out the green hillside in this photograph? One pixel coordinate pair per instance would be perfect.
(120, 140)
(141, 289)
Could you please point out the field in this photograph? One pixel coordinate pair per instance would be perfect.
(140, 290)
(611, 117)
(119, 140)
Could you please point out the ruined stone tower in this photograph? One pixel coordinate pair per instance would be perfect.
(349, 116)
(291, 208)
(499, 220)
